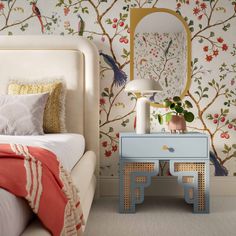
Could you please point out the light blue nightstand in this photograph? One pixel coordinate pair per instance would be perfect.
(188, 155)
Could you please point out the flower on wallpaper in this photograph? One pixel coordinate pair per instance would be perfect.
(1, 6)
(214, 48)
(66, 11)
(67, 24)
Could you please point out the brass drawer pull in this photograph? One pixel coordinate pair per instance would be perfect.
(166, 148)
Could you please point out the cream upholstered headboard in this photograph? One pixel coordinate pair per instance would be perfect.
(75, 59)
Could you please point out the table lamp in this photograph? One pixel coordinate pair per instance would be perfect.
(144, 87)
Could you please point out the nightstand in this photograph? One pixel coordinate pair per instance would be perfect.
(188, 156)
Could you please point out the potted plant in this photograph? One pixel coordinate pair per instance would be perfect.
(178, 114)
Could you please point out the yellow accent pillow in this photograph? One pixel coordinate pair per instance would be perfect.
(54, 113)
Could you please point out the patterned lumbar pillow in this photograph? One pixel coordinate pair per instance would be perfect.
(22, 114)
(54, 115)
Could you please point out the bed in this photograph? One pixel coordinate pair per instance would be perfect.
(75, 60)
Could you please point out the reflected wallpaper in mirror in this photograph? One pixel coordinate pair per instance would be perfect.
(160, 53)
(161, 57)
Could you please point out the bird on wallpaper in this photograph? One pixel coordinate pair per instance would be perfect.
(168, 47)
(38, 14)
(219, 169)
(81, 25)
(120, 77)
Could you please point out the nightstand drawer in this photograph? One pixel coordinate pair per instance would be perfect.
(164, 147)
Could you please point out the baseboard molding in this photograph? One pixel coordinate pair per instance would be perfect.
(167, 186)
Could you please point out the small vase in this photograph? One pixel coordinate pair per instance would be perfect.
(177, 124)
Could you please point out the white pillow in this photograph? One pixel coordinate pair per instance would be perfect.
(22, 114)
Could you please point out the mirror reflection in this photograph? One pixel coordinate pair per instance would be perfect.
(161, 53)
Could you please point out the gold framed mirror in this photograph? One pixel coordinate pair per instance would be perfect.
(160, 49)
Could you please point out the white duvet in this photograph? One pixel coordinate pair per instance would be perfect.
(14, 212)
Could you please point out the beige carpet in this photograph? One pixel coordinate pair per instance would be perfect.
(162, 217)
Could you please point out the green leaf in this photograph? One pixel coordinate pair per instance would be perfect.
(195, 60)
(226, 27)
(108, 21)
(104, 94)
(124, 123)
(189, 116)
(209, 117)
(85, 10)
(188, 104)
(166, 103)
(186, 18)
(190, 22)
(111, 129)
(200, 40)
(172, 106)
(176, 99)
(226, 111)
(179, 109)
(160, 119)
(212, 34)
(200, 88)
(234, 146)
(168, 117)
(226, 147)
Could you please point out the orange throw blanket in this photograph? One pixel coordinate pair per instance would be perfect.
(35, 174)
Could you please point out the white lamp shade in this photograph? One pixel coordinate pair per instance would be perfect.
(145, 86)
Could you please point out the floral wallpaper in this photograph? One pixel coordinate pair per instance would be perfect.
(161, 57)
(106, 22)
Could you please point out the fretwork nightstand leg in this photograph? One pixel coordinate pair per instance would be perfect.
(194, 176)
(134, 177)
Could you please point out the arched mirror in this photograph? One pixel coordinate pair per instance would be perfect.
(160, 50)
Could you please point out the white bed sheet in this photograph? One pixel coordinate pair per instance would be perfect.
(69, 148)
(14, 212)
